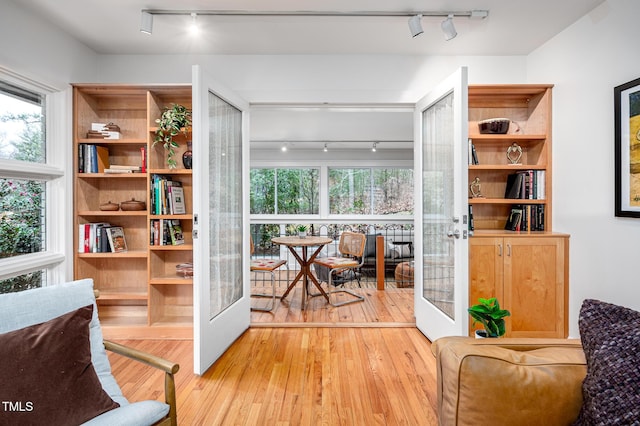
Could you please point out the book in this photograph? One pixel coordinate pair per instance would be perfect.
(175, 232)
(177, 200)
(513, 221)
(514, 185)
(125, 167)
(143, 159)
(117, 241)
(117, 171)
(100, 158)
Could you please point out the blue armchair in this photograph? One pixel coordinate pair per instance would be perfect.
(35, 326)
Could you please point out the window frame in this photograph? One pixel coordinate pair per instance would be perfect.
(324, 215)
(53, 259)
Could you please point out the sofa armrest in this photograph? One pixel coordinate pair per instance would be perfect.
(169, 368)
(509, 381)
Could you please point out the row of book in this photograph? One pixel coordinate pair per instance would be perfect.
(101, 237)
(167, 196)
(95, 159)
(165, 232)
(529, 217)
(526, 184)
(92, 158)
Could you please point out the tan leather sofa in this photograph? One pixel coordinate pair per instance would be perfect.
(509, 381)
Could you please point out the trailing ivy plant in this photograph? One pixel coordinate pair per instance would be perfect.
(488, 313)
(173, 121)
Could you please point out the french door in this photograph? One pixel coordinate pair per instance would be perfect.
(441, 211)
(220, 158)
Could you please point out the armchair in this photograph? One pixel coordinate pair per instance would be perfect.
(594, 380)
(509, 381)
(55, 365)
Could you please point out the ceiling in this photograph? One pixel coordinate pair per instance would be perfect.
(514, 27)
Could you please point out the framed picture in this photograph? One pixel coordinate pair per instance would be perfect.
(627, 149)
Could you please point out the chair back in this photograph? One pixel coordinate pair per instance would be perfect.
(352, 244)
(253, 248)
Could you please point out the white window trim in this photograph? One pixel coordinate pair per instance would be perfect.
(54, 260)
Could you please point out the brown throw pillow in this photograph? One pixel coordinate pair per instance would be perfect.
(46, 374)
(610, 337)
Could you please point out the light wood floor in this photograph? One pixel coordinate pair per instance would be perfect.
(392, 307)
(360, 364)
(297, 376)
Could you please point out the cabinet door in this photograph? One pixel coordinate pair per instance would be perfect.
(485, 271)
(534, 286)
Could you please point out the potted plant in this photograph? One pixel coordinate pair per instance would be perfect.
(488, 313)
(302, 231)
(173, 121)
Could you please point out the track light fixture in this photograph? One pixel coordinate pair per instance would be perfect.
(146, 22)
(193, 27)
(283, 148)
(373, 149)
(326, 149)
(415, 17)
(415, 26)
(448, 29)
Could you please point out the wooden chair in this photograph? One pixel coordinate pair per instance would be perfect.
(351, 259)
(265, 265)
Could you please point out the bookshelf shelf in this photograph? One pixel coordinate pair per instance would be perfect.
(510, 167)
(132, 254)
(508, 201)
(138, 288)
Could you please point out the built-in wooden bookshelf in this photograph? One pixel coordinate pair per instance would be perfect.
(141, 294)
(526, 270)
(529, 109)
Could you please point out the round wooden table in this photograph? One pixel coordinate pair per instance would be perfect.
(305, 262)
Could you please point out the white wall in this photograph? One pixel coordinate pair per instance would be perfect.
(315, 78)
(35, 49)
(585, 62)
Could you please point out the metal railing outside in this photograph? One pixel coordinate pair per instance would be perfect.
(398, 248)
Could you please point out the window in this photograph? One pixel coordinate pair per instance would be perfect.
(285, 191)
(27, 256)
(371, 191)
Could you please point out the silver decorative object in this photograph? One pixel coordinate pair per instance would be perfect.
(514, 153)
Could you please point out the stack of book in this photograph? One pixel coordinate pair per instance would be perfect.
(101, 237)
(92, 158)
(526, 184)
(117, 168)
(166, 232)
(528, 217)
(167, 196)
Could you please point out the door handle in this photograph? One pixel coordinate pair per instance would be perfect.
(455, 233)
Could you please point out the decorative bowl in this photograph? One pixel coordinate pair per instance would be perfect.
(109, 207)
(494, 126)
(133, 205)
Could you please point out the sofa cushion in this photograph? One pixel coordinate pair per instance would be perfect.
(504, 382)
(610, 336)
(47, 371)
